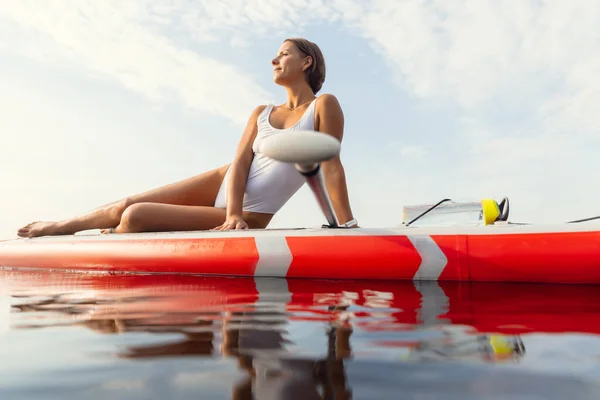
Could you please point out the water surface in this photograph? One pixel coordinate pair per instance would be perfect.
(70, 335)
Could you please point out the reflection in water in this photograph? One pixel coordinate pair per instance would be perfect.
(261, 324)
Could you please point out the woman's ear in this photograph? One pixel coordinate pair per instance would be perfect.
(307, 63)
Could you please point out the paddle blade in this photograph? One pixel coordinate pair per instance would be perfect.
(301, 147)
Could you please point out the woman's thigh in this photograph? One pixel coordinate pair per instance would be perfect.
(157, 217)
(199, 190)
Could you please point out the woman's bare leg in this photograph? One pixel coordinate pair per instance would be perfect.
(200, 190)
(156, 217)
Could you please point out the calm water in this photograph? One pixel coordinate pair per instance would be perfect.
(66, 336)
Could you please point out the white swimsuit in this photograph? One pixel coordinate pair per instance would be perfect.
(270, 183)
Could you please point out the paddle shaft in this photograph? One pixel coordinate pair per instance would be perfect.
(314, 177)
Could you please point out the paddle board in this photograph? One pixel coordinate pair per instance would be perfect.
(502, 252)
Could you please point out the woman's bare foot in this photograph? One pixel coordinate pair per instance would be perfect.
(42, 228)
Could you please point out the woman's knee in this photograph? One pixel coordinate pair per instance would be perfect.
(115, 210)
(135, 217)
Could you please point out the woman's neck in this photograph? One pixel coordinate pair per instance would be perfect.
(299, 95)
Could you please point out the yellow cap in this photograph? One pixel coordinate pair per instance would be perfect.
(490, 210)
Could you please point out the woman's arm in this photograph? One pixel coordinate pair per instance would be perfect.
(239, 170)
(330, 120)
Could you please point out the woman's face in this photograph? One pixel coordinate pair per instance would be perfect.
(289, 64)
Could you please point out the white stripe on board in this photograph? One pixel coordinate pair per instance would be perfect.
(274, 256)
(433, 260)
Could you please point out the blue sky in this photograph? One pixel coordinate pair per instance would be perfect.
(463, 99)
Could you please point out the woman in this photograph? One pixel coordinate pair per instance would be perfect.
(249, 191)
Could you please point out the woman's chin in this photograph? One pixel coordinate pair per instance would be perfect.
(278, 80)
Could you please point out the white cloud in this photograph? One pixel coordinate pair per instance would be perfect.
(244, 20)
(110, 40)
(533, 62)
(477, 52)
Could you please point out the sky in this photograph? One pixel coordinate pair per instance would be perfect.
(442, 99)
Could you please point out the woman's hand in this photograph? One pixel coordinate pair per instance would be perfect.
(232, 222)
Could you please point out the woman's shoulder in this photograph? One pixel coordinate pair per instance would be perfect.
(327, 103)
(259, 109)
(327, 97)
